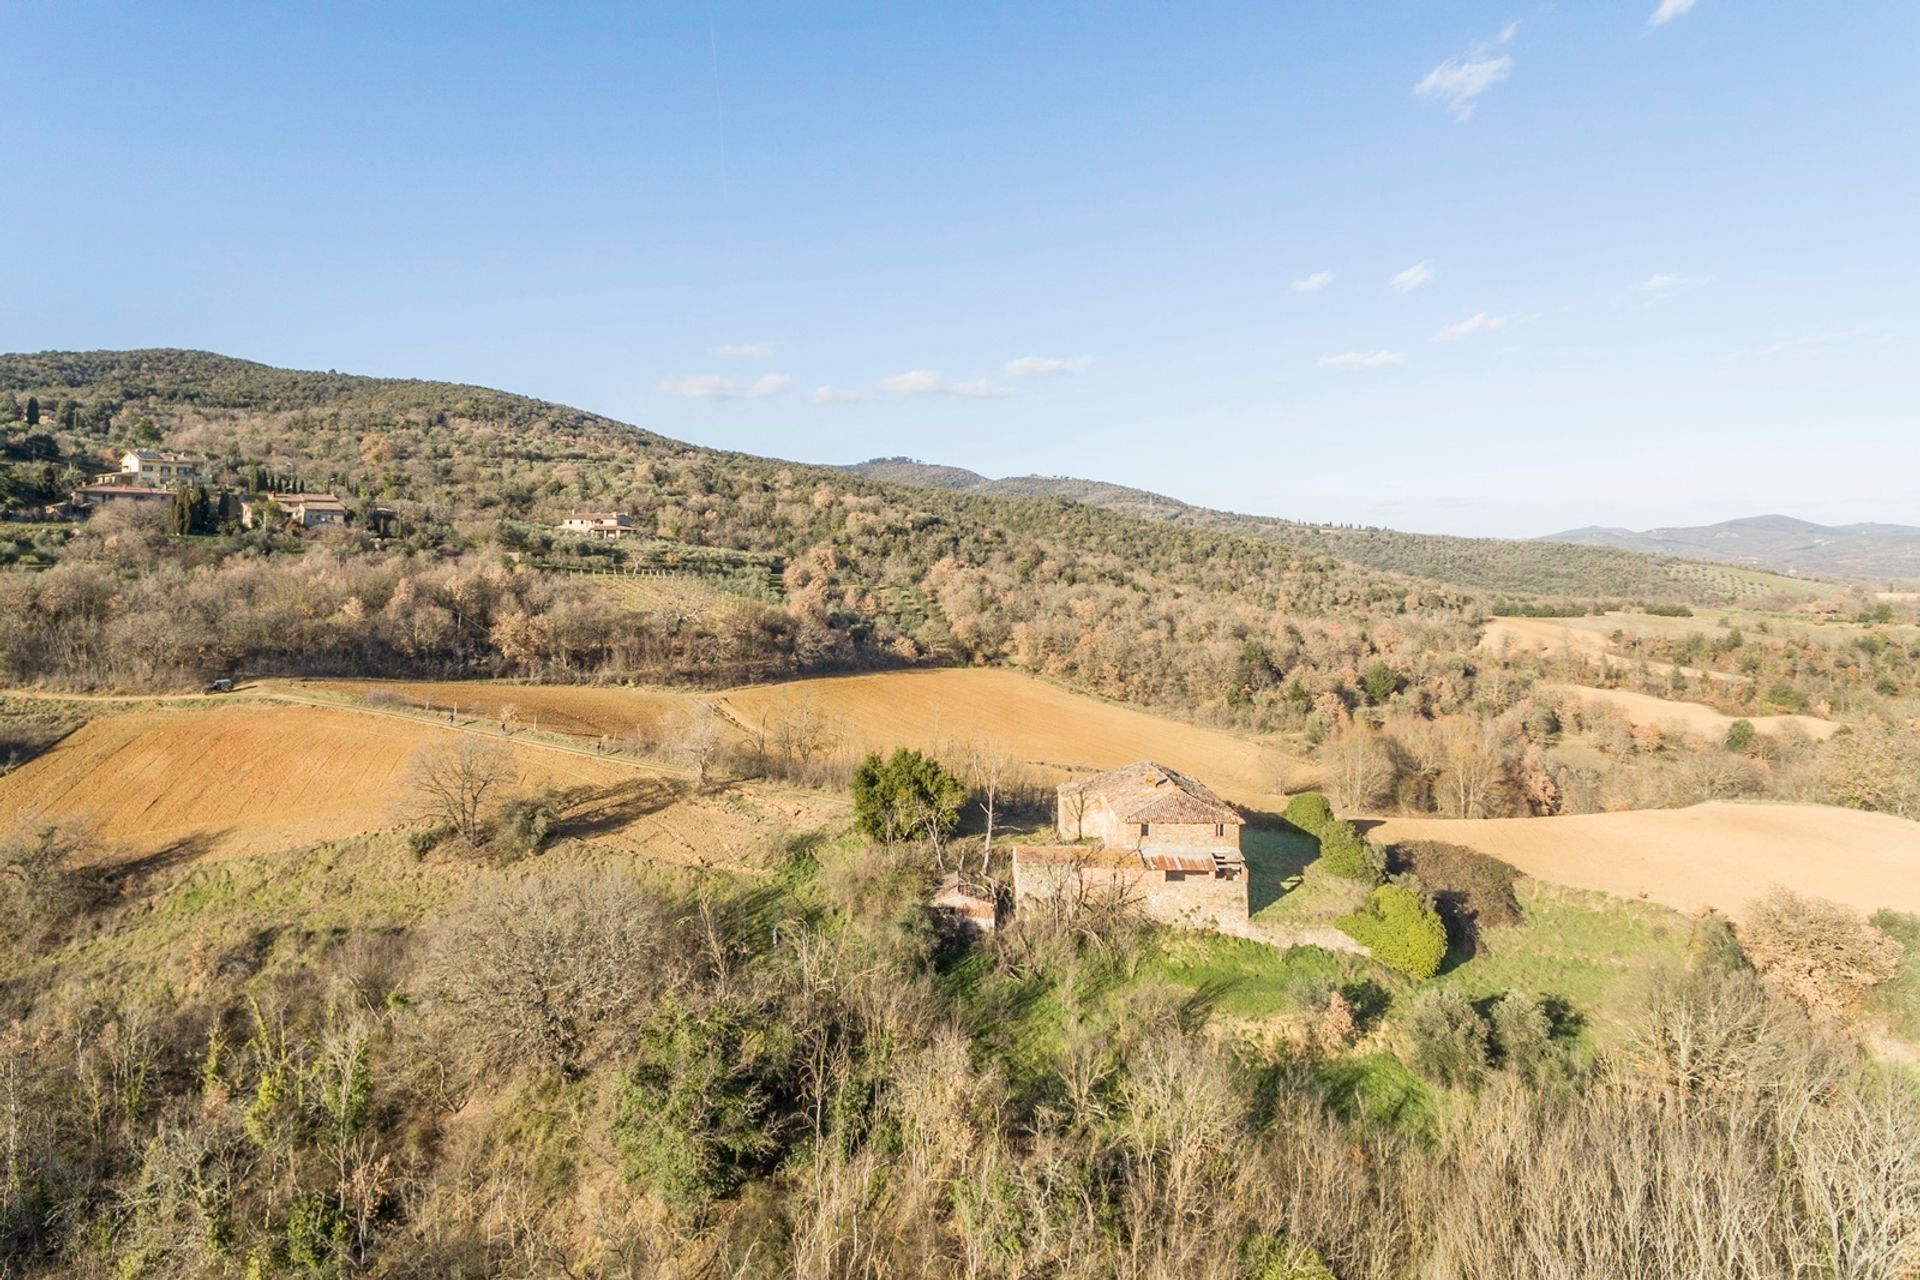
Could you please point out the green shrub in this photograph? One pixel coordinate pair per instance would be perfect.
(1739, 735)
(1309, 811)
(1449, 1042)
(1471, 890)
(1523, 1035)
(1344, 852)
(1898, 998)
(1267, 1257)
(316, 1235)
(696, 1114)
(1400, 930)
(523, 825)
(905, 796)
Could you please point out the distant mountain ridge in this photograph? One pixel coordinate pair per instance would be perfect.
(1098, 493)
(1776, 543)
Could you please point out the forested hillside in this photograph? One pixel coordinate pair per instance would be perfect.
(1542, 567)
(1210, 612)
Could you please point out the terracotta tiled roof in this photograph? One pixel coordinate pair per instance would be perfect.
(1149, 792)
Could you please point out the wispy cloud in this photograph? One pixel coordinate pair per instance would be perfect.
(1668, 11)
(836, 395)
(1313, 283)
(1457, 82)
(1806, 345)
(719, 386)
(1413, 277)
(743, 351)
(925, 382)
(914, 382)
(1472, 327)
(1662, 282)
(1364, 360)
(1041, 366)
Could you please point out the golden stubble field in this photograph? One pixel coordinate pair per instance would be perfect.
(1054, 733)
(1720, 855)
(256, 777)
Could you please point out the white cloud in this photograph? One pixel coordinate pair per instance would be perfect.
(1661, 282)
(1413, 277)
(743, 351)
(717, 386)
(1039, 366)
(915, 382)
(1313, 283)
(836, 395)
(1472, 327)
(1364, 360)
(1668, 11)
(1458, 81)
(923, 382)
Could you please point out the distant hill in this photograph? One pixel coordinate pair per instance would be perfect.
(1096, 493)
(1517, 567)
(1779, 544)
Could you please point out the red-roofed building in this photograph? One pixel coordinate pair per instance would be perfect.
(1147, 831)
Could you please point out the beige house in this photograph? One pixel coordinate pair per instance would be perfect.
(120, 495)
(1148, 832)
(599, 524)
(302, 510)
(148, 466)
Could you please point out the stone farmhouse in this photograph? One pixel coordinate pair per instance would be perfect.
(1151, 833)
(302, 510)
(600, 524)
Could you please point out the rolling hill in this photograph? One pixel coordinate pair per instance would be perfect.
(1493, 564)
(1778, 544)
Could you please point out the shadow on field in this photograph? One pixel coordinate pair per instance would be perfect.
(128, 876)
(1277, 852)
(599, 810)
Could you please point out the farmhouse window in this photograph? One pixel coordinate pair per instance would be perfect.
(1176, 875)
(1143, 831)
(1219, 829)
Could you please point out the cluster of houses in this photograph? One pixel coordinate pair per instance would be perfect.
(150, 477)
(1150, 835)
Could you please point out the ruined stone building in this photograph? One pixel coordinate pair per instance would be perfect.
(1155, 835)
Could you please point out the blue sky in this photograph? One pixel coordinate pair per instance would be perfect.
(1457, 267)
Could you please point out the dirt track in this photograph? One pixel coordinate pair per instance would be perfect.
(1721, 855)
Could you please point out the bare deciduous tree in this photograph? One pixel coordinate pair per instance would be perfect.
(697, 737)
(450, 782)
(989, 769)
(1357, 767)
